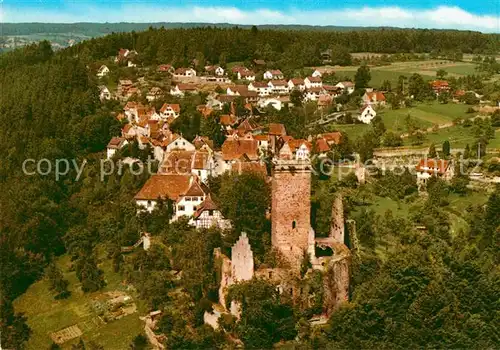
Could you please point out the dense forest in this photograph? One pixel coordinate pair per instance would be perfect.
(435, 290)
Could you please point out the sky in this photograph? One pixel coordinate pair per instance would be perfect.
(480, 15)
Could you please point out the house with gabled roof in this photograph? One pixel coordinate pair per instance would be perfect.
(170, 110)
(104, 93)
(103, 71)
(185, 191)
(208, 215)
(114, 145)
(296, 83)
(181, 90)
(278, 86)
(374, 97)
(262, 88)
(428, 167)
(154, 93)
(273, 74)
(313, 82)
(367, 114)
(184, 73)
(215, 70)
(346, 86)
(245, 74)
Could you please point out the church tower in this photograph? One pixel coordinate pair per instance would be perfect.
(291, 208)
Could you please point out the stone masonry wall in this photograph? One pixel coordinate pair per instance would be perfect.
(337, 230)
(242, 259)
(291, 191)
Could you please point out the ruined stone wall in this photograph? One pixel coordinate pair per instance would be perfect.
(242, 259)
(336, 278)
(290, 211)
(226, 274)
(337, 230)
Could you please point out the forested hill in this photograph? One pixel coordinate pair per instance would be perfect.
(99, 29)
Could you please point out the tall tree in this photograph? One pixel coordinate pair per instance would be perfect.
(362, 77)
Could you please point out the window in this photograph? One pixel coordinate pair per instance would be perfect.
(199, 172)
(149, 203)
(180, 208)
(188, 199)
(194, 207)
(294, 224)
(211, 212)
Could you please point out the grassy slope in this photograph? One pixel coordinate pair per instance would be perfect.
(46, 315)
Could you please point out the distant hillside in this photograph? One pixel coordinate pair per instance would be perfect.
(98, 29)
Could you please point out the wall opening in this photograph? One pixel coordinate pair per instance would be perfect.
(294, 224)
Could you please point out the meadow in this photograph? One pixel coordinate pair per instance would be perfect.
(46, 315)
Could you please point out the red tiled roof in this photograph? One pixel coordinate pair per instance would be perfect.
(251, 167)
(432, 166)
(174, 106)
(170, 186)
(177, 162)
(322, 145)
(375, 96)
(333, 137)
(260, 84)
(277, 129)
(227, 120)
(297, 81)
(208, 204)
(116, 142)
(182, 70)
(314, 79)
(233, 149)
(279, 82)
(276, 72)
(200, 160)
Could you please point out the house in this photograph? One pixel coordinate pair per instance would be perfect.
(313, 93)
(274, 102)
(131, 64)
(154, 94)
(104, 93)
(203, 143)
(215, 70)
(170, 110)
(313, 82)
(185, 191)
(261, 88)
(325, 142)
(237, 90)
(316, 74)
(297, 149)
(125, 54)
(166, 68)
(374, 97)
(296, 83)
(184, 73)
(208, 215)
(179, 143)
(439, 86)
(278, 86)
(427, 168)
(102, 71)
(367, 114)
(115, 144)
(124, 86)
(325, 101)
(199, 163)
(346, 86)
(182, 89)
(332, 90)
(235, 147)
(245, 74)
(273, 74)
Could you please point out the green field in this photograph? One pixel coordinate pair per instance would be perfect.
(458, 137)
(392, 72)
(46, 315)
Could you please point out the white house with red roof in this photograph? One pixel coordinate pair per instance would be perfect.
(262, 88)
(367, 114)
(184, 73)
(429, 167)
(346, 86)
(296, 83)
(273, 74)
(180, 90)
(170, 110)
(374, 97)
(215, 70)
(245, 74)
(316, 74)
(114, 145)
(208, 215)
(278, 86)
(185, 191)
(313, 82)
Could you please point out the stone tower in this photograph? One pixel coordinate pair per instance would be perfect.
(291, 209)
(337, 229)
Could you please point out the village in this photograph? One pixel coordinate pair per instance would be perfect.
(252, 203)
